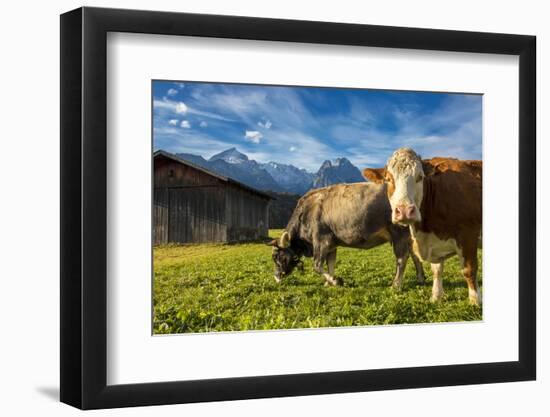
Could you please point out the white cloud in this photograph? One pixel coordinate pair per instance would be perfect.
(190, 141)
(284, 105)
(280, 142)
(181, 107)
(239, 104)
(172, 92)
(185, 124)
(253, 136)
(203, 124)
(180, 85)
(173, 122)
(366, 134)
(209, 115)
(266, 125)
(163, 104)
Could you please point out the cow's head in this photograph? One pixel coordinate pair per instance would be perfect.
(284, 257)
(404, 178)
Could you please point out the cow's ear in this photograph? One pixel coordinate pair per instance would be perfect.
(429, 168)
(374, 174)
(274, 243)
(284, 241)
(476, 167)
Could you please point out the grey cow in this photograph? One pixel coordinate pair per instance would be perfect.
(351, 215)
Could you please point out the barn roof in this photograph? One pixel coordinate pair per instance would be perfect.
(212, 173)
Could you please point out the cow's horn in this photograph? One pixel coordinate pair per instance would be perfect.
(284, 241)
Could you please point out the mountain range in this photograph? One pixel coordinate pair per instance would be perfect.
(275, 176)
(335, 172)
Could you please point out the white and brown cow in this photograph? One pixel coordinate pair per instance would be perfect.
(440, 200)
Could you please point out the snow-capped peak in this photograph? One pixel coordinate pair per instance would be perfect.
(231, 156)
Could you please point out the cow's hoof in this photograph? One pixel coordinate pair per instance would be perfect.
(436, 298)
(421, 281)
(474, 297)
(397, 286)
(338, 282)
(475, 301)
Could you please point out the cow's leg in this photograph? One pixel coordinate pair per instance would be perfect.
(331, 263)
(437, 289)
(401, 252)
(320, 256)
(324, 251)
(330, 259)
(469, 270)
(400, 264)
(420, 277)
(470, 274)
(318, 259)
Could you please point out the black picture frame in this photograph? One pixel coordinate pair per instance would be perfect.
(84, 207)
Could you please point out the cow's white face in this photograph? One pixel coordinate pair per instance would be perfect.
(404, 178)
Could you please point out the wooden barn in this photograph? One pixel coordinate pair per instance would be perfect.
(194, 205)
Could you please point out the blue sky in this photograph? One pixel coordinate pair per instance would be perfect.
(304, 126)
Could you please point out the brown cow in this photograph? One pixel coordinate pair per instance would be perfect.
(440, 200)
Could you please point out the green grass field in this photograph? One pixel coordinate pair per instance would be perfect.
(220, 287)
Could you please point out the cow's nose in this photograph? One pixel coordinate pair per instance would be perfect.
(398, 214)
(405, 212)
(410, 211)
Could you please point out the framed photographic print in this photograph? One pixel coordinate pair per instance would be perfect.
(257, 208)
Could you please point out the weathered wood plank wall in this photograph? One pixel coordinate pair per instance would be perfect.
(161, 203)
(192, 206)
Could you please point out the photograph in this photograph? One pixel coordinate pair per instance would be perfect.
(279, 207)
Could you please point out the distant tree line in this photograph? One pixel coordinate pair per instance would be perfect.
(281, 208)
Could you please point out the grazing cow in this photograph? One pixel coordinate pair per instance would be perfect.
(352, 215)
(440, 200)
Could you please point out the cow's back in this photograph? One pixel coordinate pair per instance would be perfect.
(355, 214)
